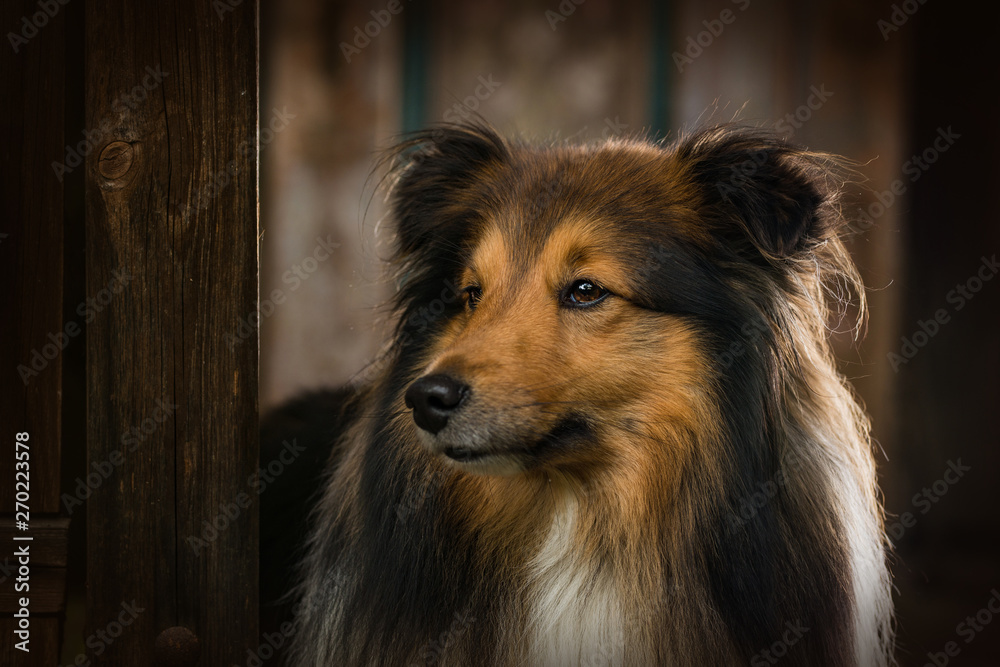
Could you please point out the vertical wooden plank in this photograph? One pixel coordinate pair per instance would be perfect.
(172, 232)
(32, 335)
(31, 250)
(947, 377)
(45, 638)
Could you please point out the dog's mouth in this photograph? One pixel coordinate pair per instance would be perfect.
(469, 455)
(568, 432)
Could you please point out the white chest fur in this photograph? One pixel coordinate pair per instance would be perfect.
(577, 614)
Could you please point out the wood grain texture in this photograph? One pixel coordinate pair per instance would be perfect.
(31, 273)
(44, 644)
(175, 210)
(47, 596)
(49, 539)
(31, 292)
(48, 549)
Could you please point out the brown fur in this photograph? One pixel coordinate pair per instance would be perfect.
(607, 529)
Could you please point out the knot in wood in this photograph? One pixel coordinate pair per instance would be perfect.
(116, 160)
(176, 647)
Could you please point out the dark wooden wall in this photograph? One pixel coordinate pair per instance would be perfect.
(31, 288)
(171, 201)
(948, 566)
(147, 161)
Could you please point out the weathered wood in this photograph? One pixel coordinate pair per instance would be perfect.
(31, 197)
(45, 640)
(171, 201)
(50, 535)
(31, 293)
(47, 596)
(946, 373)
(47, 579)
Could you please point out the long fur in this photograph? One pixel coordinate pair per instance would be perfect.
(692, 481)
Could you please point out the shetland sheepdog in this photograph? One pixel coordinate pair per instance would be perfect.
(608, 428)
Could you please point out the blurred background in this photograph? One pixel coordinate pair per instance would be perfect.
(907, 89)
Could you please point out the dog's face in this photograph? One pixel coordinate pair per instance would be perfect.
(572, 303)
(553, 357)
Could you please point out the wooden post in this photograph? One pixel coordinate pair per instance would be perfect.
(171, 209)
(33, 337)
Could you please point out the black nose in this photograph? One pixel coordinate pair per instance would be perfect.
(434, 398)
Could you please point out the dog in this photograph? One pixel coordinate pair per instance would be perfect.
(608, 428)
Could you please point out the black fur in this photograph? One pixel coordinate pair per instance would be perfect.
(765, 206)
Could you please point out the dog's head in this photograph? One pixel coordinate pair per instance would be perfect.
(582, 308)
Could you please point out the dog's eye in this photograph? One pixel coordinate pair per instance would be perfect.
(583, 293)
(473, 293)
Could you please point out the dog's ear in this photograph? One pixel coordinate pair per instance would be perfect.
(759, 190)
(434, 170)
